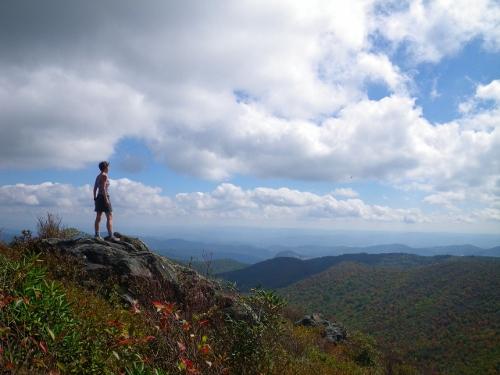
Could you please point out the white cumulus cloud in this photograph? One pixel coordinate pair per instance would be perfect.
(54, 118)
(345, 192)
(227, 201)
(266, 89)
(438, 28)
(489, 91)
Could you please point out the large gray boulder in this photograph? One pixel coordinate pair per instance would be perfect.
(333, 332)
(139, 274)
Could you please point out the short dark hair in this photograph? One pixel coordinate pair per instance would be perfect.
(103, 165)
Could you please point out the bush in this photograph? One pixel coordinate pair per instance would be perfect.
(41, 332)
(50, 226)
(254, 344)
(363, 350)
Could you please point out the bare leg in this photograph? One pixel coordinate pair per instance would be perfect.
(97, 221)
(109, 223)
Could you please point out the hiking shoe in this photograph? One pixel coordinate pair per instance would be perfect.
(112, 238)
(98, 237)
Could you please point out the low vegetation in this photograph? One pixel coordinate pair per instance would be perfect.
(443, 317)
(51, 323)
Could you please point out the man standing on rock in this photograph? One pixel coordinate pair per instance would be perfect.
(102, 202)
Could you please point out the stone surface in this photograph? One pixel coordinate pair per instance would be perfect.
(141, 274)
(333, 332)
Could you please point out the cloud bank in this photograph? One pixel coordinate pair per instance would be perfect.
(226, 201)
(269, 90)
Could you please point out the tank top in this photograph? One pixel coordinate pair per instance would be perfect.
(97, 185)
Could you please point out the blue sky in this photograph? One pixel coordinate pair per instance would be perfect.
(367, 115)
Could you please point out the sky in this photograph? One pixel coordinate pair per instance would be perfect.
(360, 114)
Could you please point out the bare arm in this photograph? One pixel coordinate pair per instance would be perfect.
(95, 191)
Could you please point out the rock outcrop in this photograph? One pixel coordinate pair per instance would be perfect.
(141, 275)
(333, 332)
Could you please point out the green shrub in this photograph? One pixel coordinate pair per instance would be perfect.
(40, 332)
(253, 346)
(363, 350)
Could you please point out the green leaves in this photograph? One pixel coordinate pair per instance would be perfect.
(254, 342)
(51, 334)
(39, 330)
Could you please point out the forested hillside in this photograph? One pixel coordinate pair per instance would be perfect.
(443, 316)
(283, 271)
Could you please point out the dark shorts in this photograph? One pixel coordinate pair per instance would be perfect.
(101, 206)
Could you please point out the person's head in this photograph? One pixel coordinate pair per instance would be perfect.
(103, 166)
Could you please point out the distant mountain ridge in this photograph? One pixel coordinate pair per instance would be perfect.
(282, 271)
(290, 254)
(182, 249)
(185, 250)
(253, 249)
(493, 252)
(7, 235)
(318, 251)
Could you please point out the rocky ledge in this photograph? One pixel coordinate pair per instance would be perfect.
(138, 274)
(333, 332)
